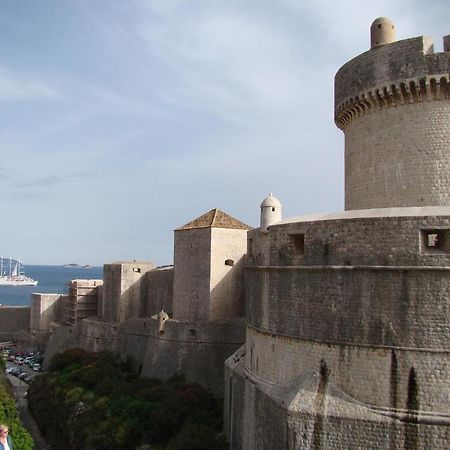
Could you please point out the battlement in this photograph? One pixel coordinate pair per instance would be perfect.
(390, 75)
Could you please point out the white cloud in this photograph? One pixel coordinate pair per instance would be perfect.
(14, 87)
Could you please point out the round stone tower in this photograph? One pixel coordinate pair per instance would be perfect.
(393, 104)
(270, 211)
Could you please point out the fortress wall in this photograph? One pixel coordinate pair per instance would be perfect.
(352, 368)
(197, 350)
(345, 426)
(369, 306)
(159, 292)
(45, 309)
(124, 290)
(135, 338)
(234, 399)
(13, 320)
(375, 241)
(227, 296)
(95, 336)
(258, 245)
(393, 104)
(382, 170)
(192, 270)
(380, 66)
(62, 338)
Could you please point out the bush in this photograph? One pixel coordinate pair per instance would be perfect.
(10, 417)
(96, 401)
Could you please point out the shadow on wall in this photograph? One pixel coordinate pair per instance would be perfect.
(227, 300)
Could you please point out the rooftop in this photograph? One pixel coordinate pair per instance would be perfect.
(215, 219)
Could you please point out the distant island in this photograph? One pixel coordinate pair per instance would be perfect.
(76, 266)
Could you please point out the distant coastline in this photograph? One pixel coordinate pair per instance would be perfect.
(77, 266)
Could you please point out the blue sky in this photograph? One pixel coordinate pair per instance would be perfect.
(122, 120)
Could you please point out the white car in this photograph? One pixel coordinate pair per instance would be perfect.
(36, 367)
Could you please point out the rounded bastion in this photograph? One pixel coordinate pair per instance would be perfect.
(393, 104)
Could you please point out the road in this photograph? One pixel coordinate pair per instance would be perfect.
(19, 388)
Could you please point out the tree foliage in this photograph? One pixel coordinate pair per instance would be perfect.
(9, 416)
(95, 401)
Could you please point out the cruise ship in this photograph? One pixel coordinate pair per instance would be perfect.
(14, 276)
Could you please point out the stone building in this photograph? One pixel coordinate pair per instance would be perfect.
(338, 325)
(348, 314)
(187, 318)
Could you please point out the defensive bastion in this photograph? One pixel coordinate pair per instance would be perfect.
(348, 314)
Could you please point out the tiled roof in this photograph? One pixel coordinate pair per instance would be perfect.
(215, 219)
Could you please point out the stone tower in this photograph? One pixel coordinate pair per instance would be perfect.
(393, 104)
(348, 324)
(270, 211)
(208, 268)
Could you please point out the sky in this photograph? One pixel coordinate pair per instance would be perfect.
(121, 121)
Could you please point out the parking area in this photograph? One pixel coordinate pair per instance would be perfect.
(21, 364)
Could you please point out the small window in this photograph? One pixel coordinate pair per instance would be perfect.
(192, 332)
(434, 241)
(273, 209)
(229, 262)
(137, 269)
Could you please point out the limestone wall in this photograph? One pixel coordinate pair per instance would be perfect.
(13, 321)
(386, 306)
(352, 368)
(399, 157)
(45, 309)
(159, 292)
(393, 103)
(124, 290)
(192, 270)
(227, 257)
(387, 237)
(197, 350)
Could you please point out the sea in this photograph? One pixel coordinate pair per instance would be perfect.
(51, 279)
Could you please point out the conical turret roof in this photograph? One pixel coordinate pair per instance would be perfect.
(215, 219)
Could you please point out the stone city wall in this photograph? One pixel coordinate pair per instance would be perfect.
(393, 103)
(227, 296)
(387, 306)
(14, 320)
(393, 239)
(352, 368)
(383, 171)
(310, 412)
(381, 66)
(197, 350)
(159, 292)
(192, 261)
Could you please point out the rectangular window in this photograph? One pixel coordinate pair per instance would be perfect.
(435, 241)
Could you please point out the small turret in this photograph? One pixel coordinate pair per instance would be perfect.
(270, 211)
(382, 31)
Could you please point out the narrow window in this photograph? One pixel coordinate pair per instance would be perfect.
(434, 241)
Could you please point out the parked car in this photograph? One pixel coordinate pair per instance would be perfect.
(28, 379)
(19, 361)
(16, 371)
(23, 375)
(36, 367)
